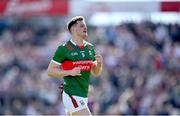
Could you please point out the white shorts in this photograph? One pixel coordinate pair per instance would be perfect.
(74, 103)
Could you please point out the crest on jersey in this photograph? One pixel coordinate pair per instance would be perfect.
(83, 53)
(90, 53)
(82, 102)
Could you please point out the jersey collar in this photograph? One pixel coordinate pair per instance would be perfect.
(73, 42)
(77, 45)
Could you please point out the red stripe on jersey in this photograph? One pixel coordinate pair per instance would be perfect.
(73, 101)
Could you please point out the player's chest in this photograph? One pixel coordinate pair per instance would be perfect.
(80, 54)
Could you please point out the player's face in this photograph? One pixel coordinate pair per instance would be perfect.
(81, 29)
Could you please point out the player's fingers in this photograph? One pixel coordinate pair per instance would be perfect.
(79, 74)
(98, 56)
(77, 69)
(99, 60)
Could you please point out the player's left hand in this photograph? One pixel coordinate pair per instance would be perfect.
(99, 59)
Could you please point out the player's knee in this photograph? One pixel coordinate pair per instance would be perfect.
(83, 112)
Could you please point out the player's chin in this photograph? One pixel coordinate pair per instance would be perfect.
(85, 36)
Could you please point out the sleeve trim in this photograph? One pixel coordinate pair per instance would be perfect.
(56, 62)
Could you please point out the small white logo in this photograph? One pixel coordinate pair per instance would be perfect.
(74, 53)
(82, 102)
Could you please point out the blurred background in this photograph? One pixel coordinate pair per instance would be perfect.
(139, 41)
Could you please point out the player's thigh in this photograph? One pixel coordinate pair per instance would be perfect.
(83, 112)
(75, 104)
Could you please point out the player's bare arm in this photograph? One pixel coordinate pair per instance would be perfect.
(97, 65)
(55, 71)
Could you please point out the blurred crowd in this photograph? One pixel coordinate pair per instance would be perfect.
(141, 68)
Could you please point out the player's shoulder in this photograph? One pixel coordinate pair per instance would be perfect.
(90, 45)
(87, 43)
(62, 45)
(66, 46)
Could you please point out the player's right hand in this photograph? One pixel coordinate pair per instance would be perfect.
(76, 71)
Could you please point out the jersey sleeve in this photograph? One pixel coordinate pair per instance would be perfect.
(59, 55)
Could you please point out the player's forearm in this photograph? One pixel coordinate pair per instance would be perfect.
(97, 69)
(58, 73)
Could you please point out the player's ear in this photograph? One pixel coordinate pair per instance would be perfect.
(72, 29)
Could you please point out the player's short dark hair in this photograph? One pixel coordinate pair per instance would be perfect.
(73, 21)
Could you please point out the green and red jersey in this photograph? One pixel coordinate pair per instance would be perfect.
(68, 56)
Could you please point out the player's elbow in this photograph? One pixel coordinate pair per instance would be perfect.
(95, 74)
(49, 72)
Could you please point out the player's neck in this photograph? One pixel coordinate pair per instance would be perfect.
(78, 40)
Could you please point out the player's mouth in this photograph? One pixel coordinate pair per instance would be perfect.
(85, 34)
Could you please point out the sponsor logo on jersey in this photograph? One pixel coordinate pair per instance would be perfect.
(74, 54)
(84, 65)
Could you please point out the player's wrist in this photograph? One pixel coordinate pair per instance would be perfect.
(67, 72)
(99, 64)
